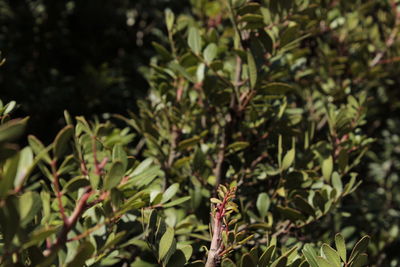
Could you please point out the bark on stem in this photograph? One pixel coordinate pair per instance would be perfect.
(215, 248)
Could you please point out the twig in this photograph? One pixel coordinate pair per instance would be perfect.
(69, 223)
(284, 228)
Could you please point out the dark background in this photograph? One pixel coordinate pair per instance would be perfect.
(83, 56)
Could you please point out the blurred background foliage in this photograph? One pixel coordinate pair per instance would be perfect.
(83, 56)
(86, 56)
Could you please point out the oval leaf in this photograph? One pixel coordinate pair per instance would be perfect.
(166, 243)
(252, 69)
(170, 192)
(331, 254)
(194, 40)
(359, 248)
(288, 159)
(12, 130)
(61, 141)
(263, 203)
(340, 246)
(210, 52)
(114, 176)
(327, 167)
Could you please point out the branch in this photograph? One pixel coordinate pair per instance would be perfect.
(69, 223)
(216, 247)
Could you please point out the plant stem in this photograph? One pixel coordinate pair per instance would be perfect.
(69, 223)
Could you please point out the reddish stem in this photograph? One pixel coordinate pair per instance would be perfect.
(69, 223)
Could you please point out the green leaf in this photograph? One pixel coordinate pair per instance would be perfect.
(164, 53)
(237, 146)
(337, 182)
(114, 176)
(289, 35)
(187, 251)
(61, 141)
(82, 126)
(119, 154)
(170, 192)
(296, 263)
(113, 239)
(266, 256)
(145, 164)
(359, 247)
(266, 41)
(83, 253)
(9, 107)
(228, 263)
(194, 40)
(323, 262)
(280, 262)
(276, 88)
(12, 130)
(177, 259)
(68, 118)
(198, 161)
(311, 255)
(29, 205)
(360, 260)
(288, 159)
(349, 187)
(327, 167)
(331, 254)
(9, 172)
(252, 18)
(146, 177)
(303, 205)
(343, 160)
(75, 183)
(247, 261)
(39, 149)
(210, 52)
(290, 213)
(176, 202)
(188, 143)
(166, 243)
(9, 220)
(181, 70)
(25, 166)
(248, 8)
(252, 69)
(340, 246)
(319, 201)
(263, 203)
(169, 19)
(39, 235)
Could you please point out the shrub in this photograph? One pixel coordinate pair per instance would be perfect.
(242, 153)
